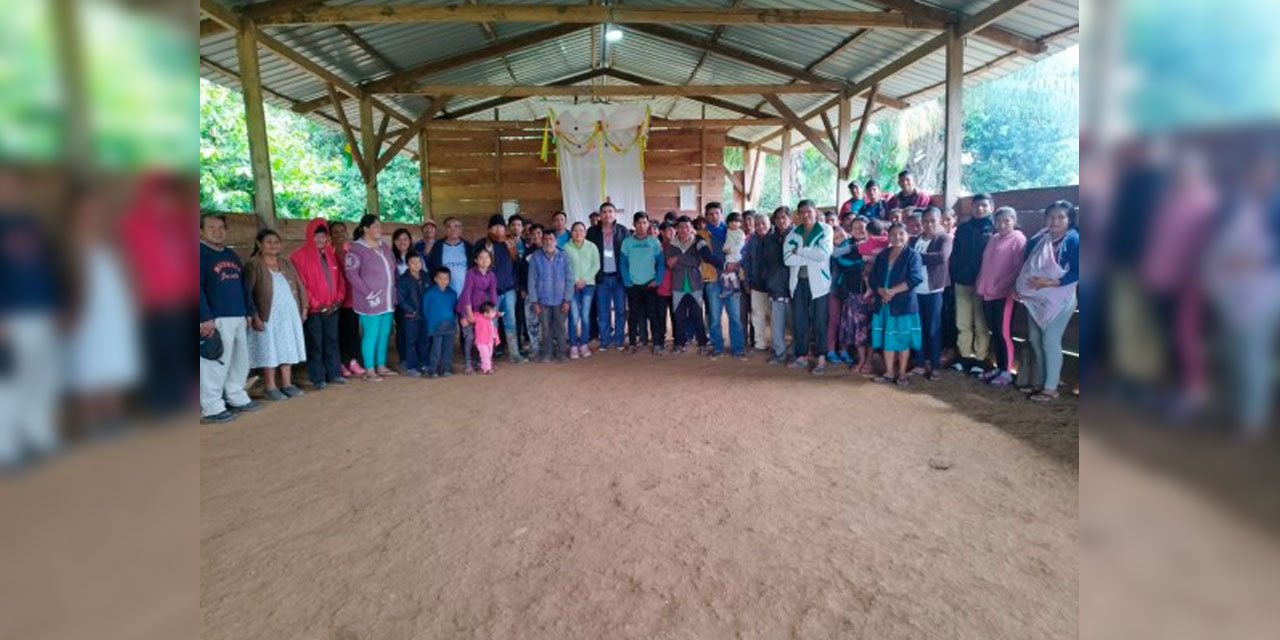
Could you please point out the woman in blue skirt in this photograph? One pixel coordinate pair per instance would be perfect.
(895, 325)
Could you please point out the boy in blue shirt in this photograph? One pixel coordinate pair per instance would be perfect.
(437, 312)
(642, 270)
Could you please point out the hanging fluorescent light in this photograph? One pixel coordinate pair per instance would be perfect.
(612, 33)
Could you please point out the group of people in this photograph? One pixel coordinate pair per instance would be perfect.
(877, 276)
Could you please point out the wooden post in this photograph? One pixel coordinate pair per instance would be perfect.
(755, 183)
(76, 122)
(954, 117)
(784, 195)
(255, 121)
(424, 175)
(844, 144)
(369, 149)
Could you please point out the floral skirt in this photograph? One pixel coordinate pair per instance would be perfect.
(855, 321)
(895, 333)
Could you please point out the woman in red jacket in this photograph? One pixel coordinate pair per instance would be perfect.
(317, 265)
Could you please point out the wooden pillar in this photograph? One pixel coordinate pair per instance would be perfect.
(369, 149)
(844, 144)
(784, 173)
(754, 175)
(954, 117)
(255, 121)
(76, 124)
(424, 175)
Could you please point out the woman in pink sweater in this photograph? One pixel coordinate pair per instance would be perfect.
(1001, 261)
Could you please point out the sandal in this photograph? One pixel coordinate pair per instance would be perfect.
(1044, 397)
(932, 376)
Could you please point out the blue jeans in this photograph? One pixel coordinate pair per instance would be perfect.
(507, 305)
(611, 298)
(717, 305)
(580, 315)
(931, 329)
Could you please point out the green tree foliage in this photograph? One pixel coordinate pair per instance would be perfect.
(310, 169)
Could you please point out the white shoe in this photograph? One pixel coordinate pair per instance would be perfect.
(584, 351)
(573, 353)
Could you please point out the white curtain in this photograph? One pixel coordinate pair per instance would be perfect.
(595, 142)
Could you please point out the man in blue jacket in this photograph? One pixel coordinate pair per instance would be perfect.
(225, 308)
(550, 288)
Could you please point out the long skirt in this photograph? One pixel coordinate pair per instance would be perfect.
(895, 333)
(855, 321)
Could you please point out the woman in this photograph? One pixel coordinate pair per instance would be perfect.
(321, 274)
(1001, 261)
(276, 342)
(855, 308)
(348, 321)
(584, 262)
(1047, 286)
(371, 274)
(401, 249)
(481, 286)
(842, 259)
(895, 327)
(934, 247)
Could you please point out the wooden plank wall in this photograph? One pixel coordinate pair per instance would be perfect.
(472, 172)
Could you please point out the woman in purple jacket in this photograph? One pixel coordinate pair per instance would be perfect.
(371, 272)
(481, 287)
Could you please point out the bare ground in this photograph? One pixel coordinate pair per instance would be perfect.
(635, 497)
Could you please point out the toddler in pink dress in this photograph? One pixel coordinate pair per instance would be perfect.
(486, 335)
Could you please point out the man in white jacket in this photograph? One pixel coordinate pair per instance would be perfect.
(807, 253)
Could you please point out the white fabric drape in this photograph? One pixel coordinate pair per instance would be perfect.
(581, 152)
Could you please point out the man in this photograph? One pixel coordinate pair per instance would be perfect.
(453, 253)
(753, 264)
(909, 198)
(973, 339)
(777, 285)
(854, 204)
(515, 231)
(720, 301)
(642, 271)
(807, 253)
(610, 292)
(874, 208)
(532, 323)
(503, 251)
(593, 219)
(225, 308)
(560, 228)
(685, 254)
(550, 288)
(428, 240)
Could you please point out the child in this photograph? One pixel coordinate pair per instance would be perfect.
(409, 290)
(874, 241)
(437, 310)
(843, 257)
(734, 240)
(666, 231)
(642, 272)
(481, 287)
(486, 335)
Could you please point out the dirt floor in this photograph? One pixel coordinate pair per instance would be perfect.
(642, 497)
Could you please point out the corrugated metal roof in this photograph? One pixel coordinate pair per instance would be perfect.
(408, 45)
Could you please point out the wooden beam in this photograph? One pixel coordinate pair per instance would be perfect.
(255, 121)
(367, 48)
(844, 147)
(784, 188)
(995, 62)
(424, 175)
(220, 14)
(428, 114)
(862, 127)
(836, 50)
(968, 25)
(382, 132)
(664, 123)
(525, 91)
(372, 204)
(596, 14)
(953, 117)
(831, 132)
(255, 11)
(498, 102)
(794, 122)
(1018, 42)
(356, 154)
(738, 55)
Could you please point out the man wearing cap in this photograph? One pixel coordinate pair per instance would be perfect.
(505, 257)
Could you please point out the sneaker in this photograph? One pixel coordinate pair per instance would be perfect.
(602, 348)
(631, 350)
(369, 376)
(218, 418)
(355, 367)
(446, 374)
(715, 355)
(413, 373)
(957, 366)
(546, 359)
(573, 353)
(832, 356)
(1002, 379)
(338, 381)
(564, 359)
(433, 375)
(319, 385)
(799, 363)
(346, 373)
(976, 370)
(775, 360)
(247, 407)
(470, 370)
(659, 351)
(584, 351)
(740, 355)
(989, 375)
(274, 395)
(292, 391)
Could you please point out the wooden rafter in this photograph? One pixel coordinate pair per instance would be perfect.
(853, 39)
(708, 100)
(356, 153)
(492, 37)
(862, 128)
(526, 91)
(367, 48)
(436, 106)
(595, 14)
(702, 59)
(257, 11)
(498, 102)
(805, 130)
(1016, 41)
(831, 132)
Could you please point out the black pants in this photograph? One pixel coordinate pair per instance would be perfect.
(666, 314)
(441, 358)
(809, 320)
(321, 331)
(644, 307)
(950, 334)
(689, 320)
(417, 343)
(930, 329)
(171, 374)
(348, 334)
(999, 315)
